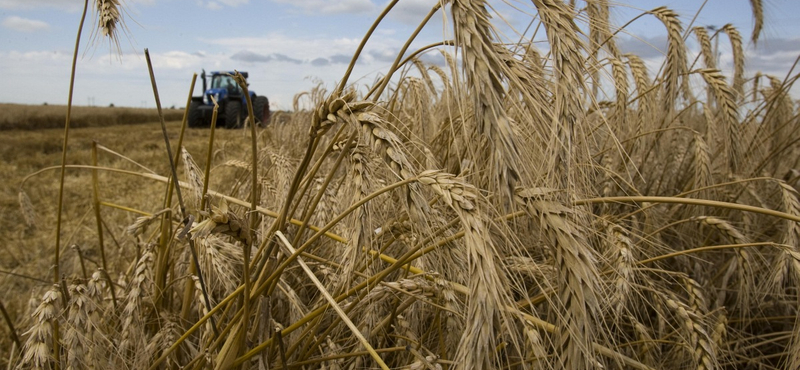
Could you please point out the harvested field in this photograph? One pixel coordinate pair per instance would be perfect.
(38, 117)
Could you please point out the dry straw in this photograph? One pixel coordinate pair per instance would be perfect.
(492, 212)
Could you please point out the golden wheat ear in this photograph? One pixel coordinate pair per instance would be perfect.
(108, 16)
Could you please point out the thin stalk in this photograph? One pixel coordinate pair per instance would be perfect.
(197, 325)
(210, 154)
(333, 302)
(253, 216)
(689, 201)
(80, 259)
(56, 270)
(10, 323)
(110, 288)
(31, 278)
(188, 288)
(705, 249)
(281, 349)
(96, 205)
(402, 51)
(315, 168)
(165, 241)
(363, 43)
(161, 276)
(314, 202)
(408, 58)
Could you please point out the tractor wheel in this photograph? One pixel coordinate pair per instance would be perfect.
(195, 115)
(233, 114)
(261, 110)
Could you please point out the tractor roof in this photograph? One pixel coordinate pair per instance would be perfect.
(228, 73)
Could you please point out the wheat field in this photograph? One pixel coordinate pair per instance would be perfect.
(553, 205)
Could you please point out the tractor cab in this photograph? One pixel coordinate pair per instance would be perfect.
(233, 104)
(223, 86)
(223, 81)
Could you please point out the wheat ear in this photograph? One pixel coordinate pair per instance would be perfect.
(758, 19)
(565, 48)
(484, 67)
(699, 342)
(709, 59)
(738, 57)
(726, 102)
(36, 352)
(194, 175)
(675, 67)
(486, 281)
(577, 275)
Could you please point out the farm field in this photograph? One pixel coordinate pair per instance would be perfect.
(30, 160)
(494, 213)
(37, 117)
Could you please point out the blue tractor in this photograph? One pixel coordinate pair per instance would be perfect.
(232, 103)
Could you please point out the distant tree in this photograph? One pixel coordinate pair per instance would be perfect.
(45, 103)
(111, 105)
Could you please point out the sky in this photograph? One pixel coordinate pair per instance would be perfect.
(291, 46)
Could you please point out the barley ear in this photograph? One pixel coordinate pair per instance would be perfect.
(738, 57)
(675, 67)
(194, 175)
(709, 59)
(37, 350)
(729, 114)
(26, 206)
(108, 14)
(758, 19)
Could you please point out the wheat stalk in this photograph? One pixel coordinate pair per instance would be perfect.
(194, 175)
(758, 19)
(485, 71)
(486, 280)
(709, 59)
(650, 349)
(701, 163)
(726, 102)
(743, 263)
(36, 352)
(577, 275)
(359, 181)
(786, 265)
(699, 342)
(623, 263)
(738, 57)
(565, 47)
(140, 287)
(642, 81)
(675, 67)
(26, 207)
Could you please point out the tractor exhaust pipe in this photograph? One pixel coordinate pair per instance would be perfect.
(204, 82)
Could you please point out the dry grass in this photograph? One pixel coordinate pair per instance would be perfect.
(497, 213)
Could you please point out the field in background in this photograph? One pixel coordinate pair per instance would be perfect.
(36, 117)
(27, 152)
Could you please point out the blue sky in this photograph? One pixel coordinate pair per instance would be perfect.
(288, 46)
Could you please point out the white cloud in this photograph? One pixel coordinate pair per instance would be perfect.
(219, 4)
(278, 43)
(331, 7)
(411, 11)
(23, 24)
(35, 4)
